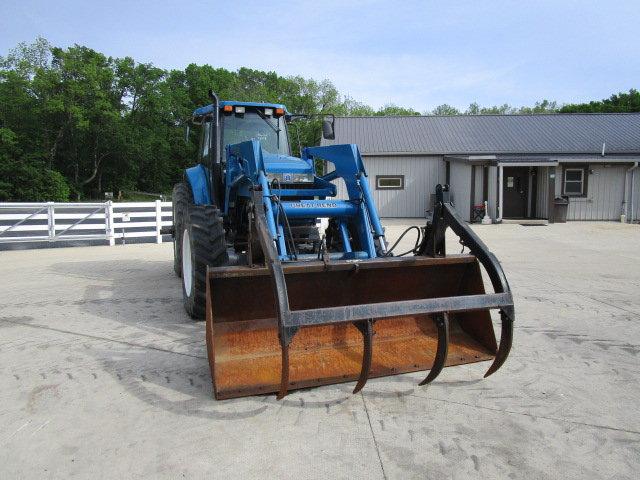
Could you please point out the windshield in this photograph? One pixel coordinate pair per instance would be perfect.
(251, 126)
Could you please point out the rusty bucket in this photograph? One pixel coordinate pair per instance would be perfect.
(244, 347)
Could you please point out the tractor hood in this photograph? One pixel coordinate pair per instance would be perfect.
(277, 163)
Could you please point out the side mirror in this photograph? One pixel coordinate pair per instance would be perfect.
(327, 130)
(187, 130)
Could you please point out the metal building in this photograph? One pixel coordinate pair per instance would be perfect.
(519, 164)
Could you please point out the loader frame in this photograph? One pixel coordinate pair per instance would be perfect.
(363, 315)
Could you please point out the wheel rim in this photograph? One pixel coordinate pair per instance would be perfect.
(187, 266)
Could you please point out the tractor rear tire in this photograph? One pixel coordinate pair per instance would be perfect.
(203, 244)
(181, 198)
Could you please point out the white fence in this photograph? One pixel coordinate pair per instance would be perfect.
(55, 222)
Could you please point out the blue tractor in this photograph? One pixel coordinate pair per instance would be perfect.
(294, 281)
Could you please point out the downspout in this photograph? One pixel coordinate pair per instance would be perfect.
(633, 176)
(500, 194)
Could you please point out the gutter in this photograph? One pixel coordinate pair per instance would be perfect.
(597, 155)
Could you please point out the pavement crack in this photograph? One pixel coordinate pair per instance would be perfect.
(525, 414)
(612, 305)
(373, 435)
(96, 337)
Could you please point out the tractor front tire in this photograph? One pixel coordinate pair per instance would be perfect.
(181, 198)
(203, 244)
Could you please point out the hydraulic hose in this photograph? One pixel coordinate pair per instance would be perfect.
(415, 247)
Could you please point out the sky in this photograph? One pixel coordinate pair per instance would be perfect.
(418, 54)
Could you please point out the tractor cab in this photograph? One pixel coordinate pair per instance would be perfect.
(243, 121)
(240, 139)
(248, 121)
(232, 123)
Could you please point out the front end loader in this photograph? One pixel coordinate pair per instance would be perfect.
(299, 288)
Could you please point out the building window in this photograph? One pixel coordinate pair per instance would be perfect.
(574, 182)
(389, 182)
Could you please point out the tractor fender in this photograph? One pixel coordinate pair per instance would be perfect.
(198, 179)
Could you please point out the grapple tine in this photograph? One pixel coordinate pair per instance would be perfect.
(366, 328)
(442, 323)
(506, 339)
(284, 373)
(279, 290)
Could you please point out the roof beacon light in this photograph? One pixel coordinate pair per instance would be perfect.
(279, 112)
(227, 109)
(268, 112)
(239, 109)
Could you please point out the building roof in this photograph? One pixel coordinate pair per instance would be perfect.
(494, 134)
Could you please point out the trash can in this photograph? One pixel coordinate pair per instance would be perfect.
(560, 207)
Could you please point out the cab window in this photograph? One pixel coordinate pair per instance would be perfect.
(270, 131)
(205, 140)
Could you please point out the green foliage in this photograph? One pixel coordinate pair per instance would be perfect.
(545, 106)
(20, 181)
(391, 109)
(445, 109)
(475, 109)
(75, 123)
(353, 108)
(621, 102)
(111, 124)
(26, 178)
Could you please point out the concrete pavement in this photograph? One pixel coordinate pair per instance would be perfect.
(102, 375)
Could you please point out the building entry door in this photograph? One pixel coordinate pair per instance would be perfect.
(515, 191)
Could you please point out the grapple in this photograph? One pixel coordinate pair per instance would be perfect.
(282, 326)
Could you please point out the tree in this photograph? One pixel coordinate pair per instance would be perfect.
(24, 178)
(74, 122)
(352, 108)
(25, 59)
(617, 103)
(391, 109)
(545, 106)
(445, 109)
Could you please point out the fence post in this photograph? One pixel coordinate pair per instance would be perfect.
(158, 221)
(51, 221)
(108, 216)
